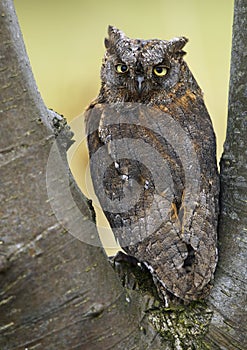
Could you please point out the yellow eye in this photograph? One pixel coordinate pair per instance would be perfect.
(160, 71)
(121, 68)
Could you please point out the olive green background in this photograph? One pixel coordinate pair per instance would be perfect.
(64, 40)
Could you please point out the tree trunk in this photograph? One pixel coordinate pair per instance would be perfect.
(60, 292)
(57, 292)
(228, 326)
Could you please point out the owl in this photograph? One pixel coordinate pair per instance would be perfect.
(153, 162)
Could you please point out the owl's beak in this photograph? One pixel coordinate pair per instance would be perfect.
(140, 80)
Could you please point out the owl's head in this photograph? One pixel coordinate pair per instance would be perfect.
(139, 70)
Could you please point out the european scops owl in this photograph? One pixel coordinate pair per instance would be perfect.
(153, 162)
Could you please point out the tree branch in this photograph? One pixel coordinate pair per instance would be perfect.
(229, 295)
(56, 291)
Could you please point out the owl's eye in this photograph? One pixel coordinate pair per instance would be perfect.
(121, 68)
(160, 71)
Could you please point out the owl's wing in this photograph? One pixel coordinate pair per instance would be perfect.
(150, 178)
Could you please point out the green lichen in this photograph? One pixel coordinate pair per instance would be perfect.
(180, 326)
(89, 268)
(184, 326)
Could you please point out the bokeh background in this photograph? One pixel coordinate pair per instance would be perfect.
(64, 40)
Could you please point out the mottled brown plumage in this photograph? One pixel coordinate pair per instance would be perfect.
(153, 164)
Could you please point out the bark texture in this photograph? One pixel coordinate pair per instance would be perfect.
(228, 327)
(56, 291)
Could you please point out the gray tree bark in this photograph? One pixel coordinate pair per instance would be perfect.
(228, 327)
(59, 292)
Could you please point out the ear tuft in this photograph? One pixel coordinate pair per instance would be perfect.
(113, 31)
(114, 36)
(175, 45)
